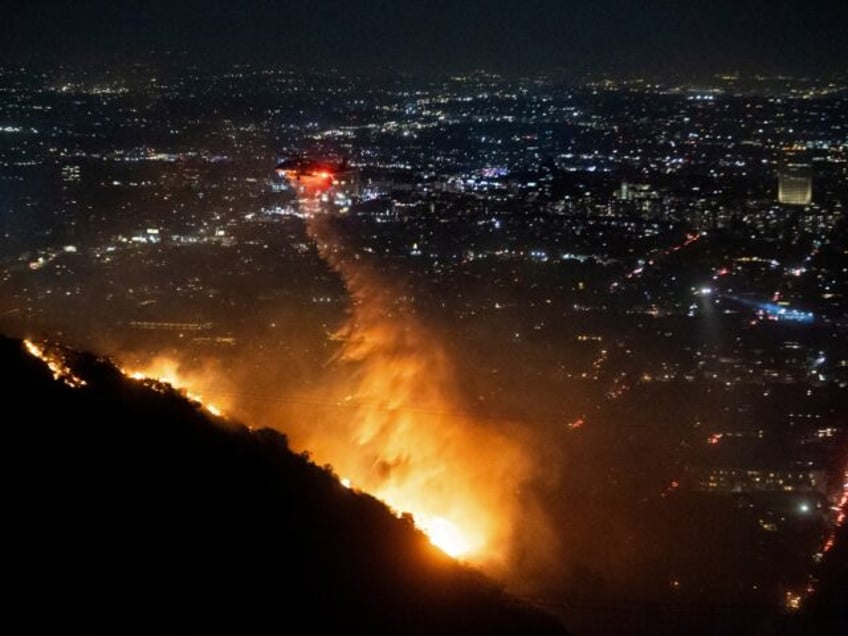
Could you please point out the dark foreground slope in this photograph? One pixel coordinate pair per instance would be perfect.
(127, 510)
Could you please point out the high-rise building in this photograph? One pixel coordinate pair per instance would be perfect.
(795, 184)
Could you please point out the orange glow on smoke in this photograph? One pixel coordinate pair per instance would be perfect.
(403, 436)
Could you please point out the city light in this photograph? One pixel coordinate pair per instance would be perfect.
(584, 331)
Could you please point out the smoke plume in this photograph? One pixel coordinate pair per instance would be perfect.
(403, 432)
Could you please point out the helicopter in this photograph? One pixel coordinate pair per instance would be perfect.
(296, 168)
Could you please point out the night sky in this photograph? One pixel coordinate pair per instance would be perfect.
(805, 36)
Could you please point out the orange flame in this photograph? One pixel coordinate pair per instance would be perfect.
(56, 363)
(166, 370)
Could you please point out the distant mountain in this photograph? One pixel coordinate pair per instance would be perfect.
(128, 510)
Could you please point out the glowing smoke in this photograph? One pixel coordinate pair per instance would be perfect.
(404, 437)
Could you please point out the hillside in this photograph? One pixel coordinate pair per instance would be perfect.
(129, 510)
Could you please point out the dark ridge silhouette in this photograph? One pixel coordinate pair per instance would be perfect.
(128, 510)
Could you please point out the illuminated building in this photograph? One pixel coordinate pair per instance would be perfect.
(170, 326)
(640, 196)
(795, 185)
(70, 173)
(635, 191)
(751, 480)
